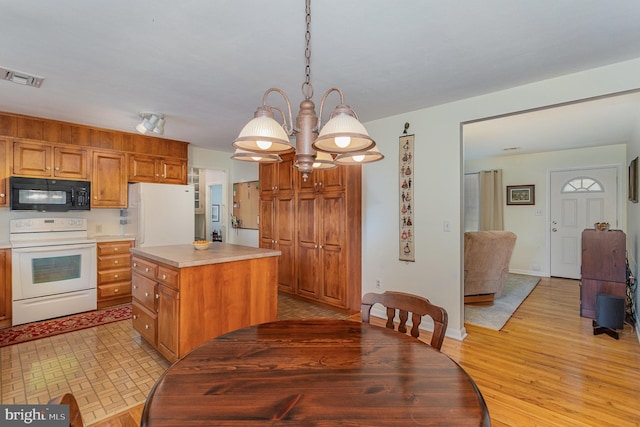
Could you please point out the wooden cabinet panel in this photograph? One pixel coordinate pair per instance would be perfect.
(144, 321)
(114, 273)
(168, 321)
(70, 163)
(36, 159)
(5, 288)
(144, 291)
(157, 169)
(109, 180)
(169, 276)
(31, 159)
(145, 267)
(4, 173)
(325, 259)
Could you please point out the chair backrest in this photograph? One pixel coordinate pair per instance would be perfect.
(75, 418)
(405, 304)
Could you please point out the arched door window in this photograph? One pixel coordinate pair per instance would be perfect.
(582, 184)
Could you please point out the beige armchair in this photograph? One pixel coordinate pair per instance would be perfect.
(486, 264)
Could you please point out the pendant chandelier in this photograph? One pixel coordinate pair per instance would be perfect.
(342, 140)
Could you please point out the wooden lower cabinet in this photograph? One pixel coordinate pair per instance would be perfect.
(177, 309)
(114, 273)
(5, 288)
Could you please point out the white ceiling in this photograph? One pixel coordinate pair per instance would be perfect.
(206, 64)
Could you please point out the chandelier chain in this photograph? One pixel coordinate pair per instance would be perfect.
(307, 88)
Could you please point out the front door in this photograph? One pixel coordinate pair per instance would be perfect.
(579, 198)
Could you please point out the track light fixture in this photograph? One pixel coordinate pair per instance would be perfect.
(151, 122)
(343, 134)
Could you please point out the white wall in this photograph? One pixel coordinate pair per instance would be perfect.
(436, 273)
(530, 253)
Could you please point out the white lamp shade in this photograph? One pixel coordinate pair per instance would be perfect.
(248, 156)
(263, 135)
(324, 161)
(358, 158)
(343, 126)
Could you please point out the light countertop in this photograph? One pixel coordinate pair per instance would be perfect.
(112, 237)
(187, 256)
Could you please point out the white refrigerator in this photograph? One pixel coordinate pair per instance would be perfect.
(160, 214)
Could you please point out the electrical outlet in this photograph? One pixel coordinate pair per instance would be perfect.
(377, 283)
(98, 228)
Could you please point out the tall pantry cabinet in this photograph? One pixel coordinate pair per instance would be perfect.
(316, 224)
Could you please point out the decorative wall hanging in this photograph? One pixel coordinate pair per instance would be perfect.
(406, 201)
(521, 194)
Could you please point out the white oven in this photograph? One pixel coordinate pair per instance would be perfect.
(53, 268)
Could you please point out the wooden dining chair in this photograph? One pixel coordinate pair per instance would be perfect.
(75, 418)
(405, 304)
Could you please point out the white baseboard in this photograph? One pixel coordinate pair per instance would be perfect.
(529, 272)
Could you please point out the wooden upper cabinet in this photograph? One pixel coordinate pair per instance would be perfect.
(109, 180)
(4, 174)
(277, 177)
(323, 180)
(37, 159)
(157, 169)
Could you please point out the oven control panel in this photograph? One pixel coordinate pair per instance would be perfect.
(39, 225)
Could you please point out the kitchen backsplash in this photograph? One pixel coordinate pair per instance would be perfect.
(100, 221)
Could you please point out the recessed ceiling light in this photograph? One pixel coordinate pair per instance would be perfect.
(20, 78)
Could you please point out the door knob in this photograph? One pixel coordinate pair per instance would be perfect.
(554, 229)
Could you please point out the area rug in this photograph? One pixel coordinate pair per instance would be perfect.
(60, 325)
(516, 290)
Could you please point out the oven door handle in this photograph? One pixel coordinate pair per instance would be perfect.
(54, 248)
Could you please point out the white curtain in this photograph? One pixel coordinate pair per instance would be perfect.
(491, 200)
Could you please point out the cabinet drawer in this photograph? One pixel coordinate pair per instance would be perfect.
(111, 276)
(115, 261)
(144, 322)
(144, 267)
(144, 290)
(114, 248)
(169, 277)
(114, 290)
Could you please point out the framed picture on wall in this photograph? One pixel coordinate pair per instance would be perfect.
(633, 180)
(215, 213)
(521, 194)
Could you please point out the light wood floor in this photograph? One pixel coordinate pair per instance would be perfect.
(545, 368)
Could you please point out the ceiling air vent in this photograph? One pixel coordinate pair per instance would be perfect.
(20, 77)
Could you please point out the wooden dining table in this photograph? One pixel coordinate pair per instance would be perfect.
(316, 372)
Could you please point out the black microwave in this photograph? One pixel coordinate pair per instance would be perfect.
(49, 195)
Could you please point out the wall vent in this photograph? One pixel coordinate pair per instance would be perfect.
(20, 78)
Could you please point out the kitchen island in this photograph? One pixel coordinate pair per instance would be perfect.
(183, 297)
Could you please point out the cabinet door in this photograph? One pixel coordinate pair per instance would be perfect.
(332, 247)
(5, 287)
(173, 171)
(142, 169)
(71, 163)
(109, 180)
(168, 318)
(285, 238)
(31, 159)
(308, 245)
(268, 174)
(4, 175)
(267, 230)
(285, 181)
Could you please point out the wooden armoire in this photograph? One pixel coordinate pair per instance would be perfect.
(316, 224)
(604, 267)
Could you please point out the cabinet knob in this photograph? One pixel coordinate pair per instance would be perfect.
(116, 290)
(164, 276)
(135, 286)
(146, 294)
(57, 168)
(146, 269)
(116, 262)
(48, 168)
(157, 296)
(115, 276)
(320, 246)
(115, 249)
(135, 316)
(2, 195)
(95, 197)
(315, 246)
(146, 326)
(135, 264)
